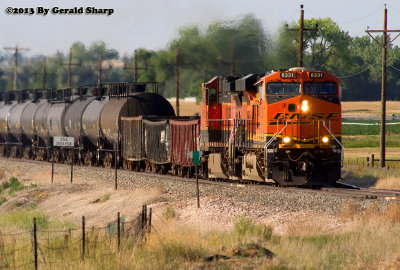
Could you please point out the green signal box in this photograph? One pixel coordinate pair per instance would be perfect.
(196, 155)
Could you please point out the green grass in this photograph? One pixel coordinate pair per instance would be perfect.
(368, 129)
(244, 227)
(23, 219)
(169, 213)
(361, 141)
(2, 200)
(358, 136)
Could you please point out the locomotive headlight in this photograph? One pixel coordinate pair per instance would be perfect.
(325, 139)
(286, 140)
(304, 106)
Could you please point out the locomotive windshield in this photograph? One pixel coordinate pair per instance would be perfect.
(283, 88)
(327, 88)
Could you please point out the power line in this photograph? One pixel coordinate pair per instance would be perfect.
(354, 74)
(363, 17)
(349, 21)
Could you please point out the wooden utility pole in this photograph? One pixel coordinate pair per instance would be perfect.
(301, 36)
(135, 67)
(384, 46)
(99, 69)
(15, 49)
(176, 63)
(69, 68)
(44, 75)
(300, 52)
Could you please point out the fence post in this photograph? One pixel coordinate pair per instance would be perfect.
(150, 214)
(372, 160)
(72, 162)
(119, 229)
(52, 165)
(35, 243)
(83, 238)
(367, 161)
(197, 187)
(116, 166)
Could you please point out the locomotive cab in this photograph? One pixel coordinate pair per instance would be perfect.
(303, 137)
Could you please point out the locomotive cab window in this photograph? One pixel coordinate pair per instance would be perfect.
(283, 88)
(260, 89)
(326, 88)
(212, 96)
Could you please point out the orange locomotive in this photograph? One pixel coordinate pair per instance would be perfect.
(283, 126)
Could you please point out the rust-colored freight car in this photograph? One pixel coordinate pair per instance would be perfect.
(184, 139)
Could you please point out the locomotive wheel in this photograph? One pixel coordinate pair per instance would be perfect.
(137, 166)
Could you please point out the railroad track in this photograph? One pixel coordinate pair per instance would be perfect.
(340, 190)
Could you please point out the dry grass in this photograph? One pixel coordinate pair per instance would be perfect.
(369, 108)
(391, 183)
(187, 108)
(391, 152)
(366, 239)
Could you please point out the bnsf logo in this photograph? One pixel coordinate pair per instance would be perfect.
(314, 116)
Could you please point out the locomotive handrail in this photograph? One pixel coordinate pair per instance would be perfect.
(341, 145)
(276, 135)
(269, 142)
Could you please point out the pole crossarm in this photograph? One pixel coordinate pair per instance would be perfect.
(69, 64)
(16, 50)
(387, 31)
(301, 29)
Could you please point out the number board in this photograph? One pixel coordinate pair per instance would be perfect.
(288, 75)
(63, 141)
(315, 75)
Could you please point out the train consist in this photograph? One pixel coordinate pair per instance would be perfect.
(283, 126)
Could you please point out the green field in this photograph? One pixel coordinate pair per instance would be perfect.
(366, 133)
(368, 127)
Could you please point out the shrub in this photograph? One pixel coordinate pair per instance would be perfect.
(169, 213)
(244, 226)
(15, 185)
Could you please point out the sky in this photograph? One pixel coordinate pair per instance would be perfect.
(152, 24)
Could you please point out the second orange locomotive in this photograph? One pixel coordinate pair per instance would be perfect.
(283, 126)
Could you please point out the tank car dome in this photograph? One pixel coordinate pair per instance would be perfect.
(145, 104)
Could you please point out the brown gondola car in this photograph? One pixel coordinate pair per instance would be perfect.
(159, 144)
(184, 139)
(145, 143)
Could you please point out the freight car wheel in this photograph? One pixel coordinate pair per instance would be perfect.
(88, 158)
(108, 160)
(28, 153)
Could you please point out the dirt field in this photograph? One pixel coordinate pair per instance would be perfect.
(369, 108)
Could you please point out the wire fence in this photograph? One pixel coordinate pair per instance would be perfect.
(49, 248)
